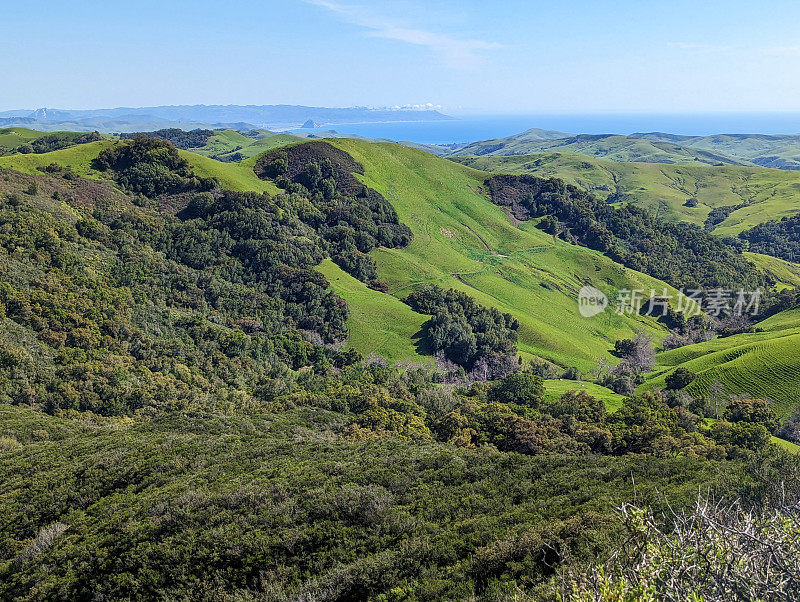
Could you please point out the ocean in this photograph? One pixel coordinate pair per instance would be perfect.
(472, 127)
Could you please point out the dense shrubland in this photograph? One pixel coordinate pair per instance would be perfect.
(152, 167)
(779, 238)
(479, 339)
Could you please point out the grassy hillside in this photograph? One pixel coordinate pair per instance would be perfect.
(760, 364)
(378, 323)
(231, 144)
(609, 147)
(785, 273)
(762, 193)
(781, 151)
(13, 137)
(78, 157)
(463, 241)
(555, 388)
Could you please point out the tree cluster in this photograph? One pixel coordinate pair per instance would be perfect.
(466, 332)
(681, 254)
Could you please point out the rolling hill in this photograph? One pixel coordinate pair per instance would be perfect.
(777, 151)
(746, 195)
(463, 241)
(764, 364)
(180, 416)
(611, 147)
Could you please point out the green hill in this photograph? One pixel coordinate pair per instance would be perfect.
(463, 241)
(378, 323)
(181, 416)
(759, 364)
(748, 195)
(610, 147)
(232, 145)
(777, 151)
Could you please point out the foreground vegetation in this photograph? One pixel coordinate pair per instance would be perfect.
(196, 402)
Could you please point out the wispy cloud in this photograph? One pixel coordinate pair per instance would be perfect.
(456, 52)
(782, 51)
(699, 47)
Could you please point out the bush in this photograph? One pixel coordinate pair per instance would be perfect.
(680, 378)
(520, 388)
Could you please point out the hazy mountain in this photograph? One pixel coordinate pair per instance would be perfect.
(126, 119)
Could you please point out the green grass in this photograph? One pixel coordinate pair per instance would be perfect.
(78, 157)
(782, 151)
(609, 147)
(759, 364)
(785, 273)
(378, 323)
(463, 241)
(768, 193)
(787, 445)
(231, 176)
(225, 143)
(13, 137)
(555, 388)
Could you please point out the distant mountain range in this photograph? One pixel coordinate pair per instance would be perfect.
(776, 151)
(275, 117)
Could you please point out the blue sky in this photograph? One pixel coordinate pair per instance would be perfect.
(513, 55)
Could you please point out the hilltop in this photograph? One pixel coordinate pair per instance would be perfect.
(775, 151)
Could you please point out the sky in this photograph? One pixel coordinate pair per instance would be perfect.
(467, 55)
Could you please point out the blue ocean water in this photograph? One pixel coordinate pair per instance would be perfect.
(469, 128)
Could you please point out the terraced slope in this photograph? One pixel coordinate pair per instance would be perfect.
(760, 364)
(463, 241)
(678, 192)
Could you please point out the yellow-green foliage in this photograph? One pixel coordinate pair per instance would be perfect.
(785, 273)
(79, 157)
(555, 388)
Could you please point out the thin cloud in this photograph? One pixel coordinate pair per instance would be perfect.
(454, 51)
(782, 51)
(700, 47)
